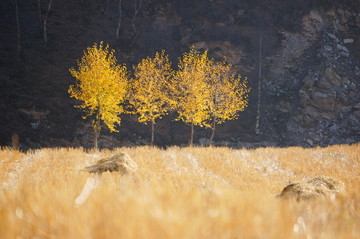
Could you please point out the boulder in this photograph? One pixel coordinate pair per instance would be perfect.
(309, 82)
(120, 162)
(348, 40)
(329, 79)
(318, 187)
(323, 101)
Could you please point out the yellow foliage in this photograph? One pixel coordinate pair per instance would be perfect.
(149, 89)
(101, 85)
(228, 93)
(208, 91)
(191, 88)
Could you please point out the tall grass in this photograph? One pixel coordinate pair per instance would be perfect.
(178, 193)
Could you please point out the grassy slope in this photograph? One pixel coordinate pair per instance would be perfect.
(178, 193)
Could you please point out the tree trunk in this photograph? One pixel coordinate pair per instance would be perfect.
(39, 10)
(152, 133)
(96, 136)
(97, 129)
(212, 132)
(45, 22)
(257, 127)
(119, 21)
(191, 136)
(18, 32)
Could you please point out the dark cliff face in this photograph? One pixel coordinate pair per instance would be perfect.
(304, 54)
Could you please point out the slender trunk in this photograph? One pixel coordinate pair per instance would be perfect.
(96, 136)
(257, 127)
(191, 136)
(152, 133)
(15, 141)
(97, 129)
(39, 10)
(212, 131)
(18, 32)
(119, 21)
(45, 22)
(136, 11)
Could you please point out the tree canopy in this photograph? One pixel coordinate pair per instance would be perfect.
(101, 85)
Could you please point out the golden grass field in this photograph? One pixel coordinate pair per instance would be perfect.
(178, 193)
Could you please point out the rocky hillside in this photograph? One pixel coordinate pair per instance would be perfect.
(301, 58)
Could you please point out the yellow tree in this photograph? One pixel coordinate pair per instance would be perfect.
(150, 96)
(228, 92)
(101, 85)
(191, 89)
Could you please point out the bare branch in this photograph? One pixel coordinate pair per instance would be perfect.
(136, 11)
(39, 9)
(119, 21)
(257, 127)
(18, 31)
(45, 21)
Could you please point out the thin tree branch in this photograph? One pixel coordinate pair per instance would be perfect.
(18, 31)
(45, 21)
(257, 127)
(119, 21)
(136, 11)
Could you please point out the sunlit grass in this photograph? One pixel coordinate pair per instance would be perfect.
(178, 193)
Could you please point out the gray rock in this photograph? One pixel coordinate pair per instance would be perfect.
(357, 114)
(323, 101)
(329, 79)
(345, 54)
(309, 82)
(342, 48)
(310, 142)
(348, 40)
(332, 36)
(357, 106)
(333, 128)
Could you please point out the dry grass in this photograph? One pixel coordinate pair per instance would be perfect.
(178, 193)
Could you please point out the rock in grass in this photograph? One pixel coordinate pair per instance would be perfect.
(120, 162)
(314, 188)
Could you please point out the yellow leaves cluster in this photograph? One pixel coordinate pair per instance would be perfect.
(207, 91)
(150, 97)
(101, 85)
(228, 91)
(190, 88)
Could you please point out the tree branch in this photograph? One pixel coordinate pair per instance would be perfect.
(119, 21)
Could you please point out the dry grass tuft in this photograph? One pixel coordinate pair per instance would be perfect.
(312, 189)
(179, 193)
(120, 162)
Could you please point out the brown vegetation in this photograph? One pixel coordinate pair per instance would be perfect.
(179, 193)
(120, 162)
(312, 189)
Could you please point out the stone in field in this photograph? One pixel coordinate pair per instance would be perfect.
(312, 189)
(120, 162)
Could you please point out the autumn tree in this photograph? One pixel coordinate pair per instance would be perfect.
(191, 89)
(101, 85)
(228, 94)
(150, 96)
